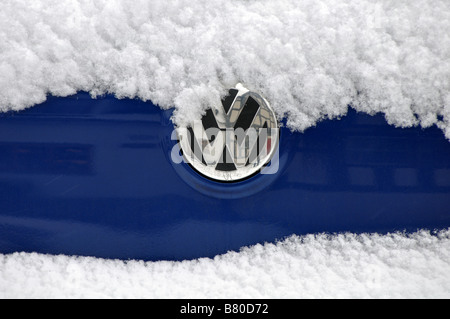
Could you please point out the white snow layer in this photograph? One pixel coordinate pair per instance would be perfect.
(395, 265)
(309, 58)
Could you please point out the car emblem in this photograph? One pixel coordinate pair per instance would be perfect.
(234, 141)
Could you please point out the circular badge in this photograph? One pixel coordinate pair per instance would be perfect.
(234, 141)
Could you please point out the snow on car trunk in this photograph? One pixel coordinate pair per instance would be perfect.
(315, 266)
(310, 59)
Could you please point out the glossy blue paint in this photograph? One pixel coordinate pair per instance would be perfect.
(82, 176)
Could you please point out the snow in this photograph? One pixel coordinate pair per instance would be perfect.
(396, 265)
(309, 58)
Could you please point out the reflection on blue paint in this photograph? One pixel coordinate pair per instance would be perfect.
(82, 176)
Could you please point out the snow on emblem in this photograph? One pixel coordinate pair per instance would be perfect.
(234, 141)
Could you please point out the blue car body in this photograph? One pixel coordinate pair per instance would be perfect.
(94, 177)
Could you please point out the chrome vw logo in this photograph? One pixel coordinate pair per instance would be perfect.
(233, 141)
